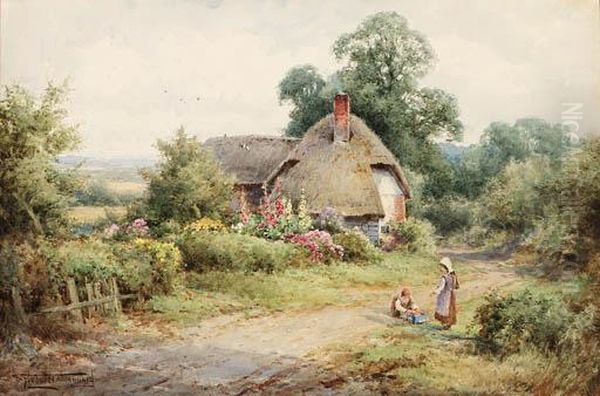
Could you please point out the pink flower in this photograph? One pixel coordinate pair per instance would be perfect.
(111, 230)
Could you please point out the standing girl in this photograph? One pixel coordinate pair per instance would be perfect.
(445, 310)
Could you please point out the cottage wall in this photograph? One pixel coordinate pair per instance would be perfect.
(253, 194)
(368, 226)
(390, 193)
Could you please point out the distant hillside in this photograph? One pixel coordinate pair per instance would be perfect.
(120, 168)
(92, 162)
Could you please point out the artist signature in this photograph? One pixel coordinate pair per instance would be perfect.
(55, 380)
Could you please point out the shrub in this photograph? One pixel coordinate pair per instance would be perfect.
(319, 244)
(512, 200)
(509, 324)
(328, 220)
(88, 260)
(217, 251)
(150, 267)
(449, 214)
(549, 325)
(169, 229)
(141, 266)
(553, 239)
(187, 183)
(357, 247)
(412, 235)
(577, 192)
(206, 224)
(22, 266)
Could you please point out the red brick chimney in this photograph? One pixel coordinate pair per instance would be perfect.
(341, 118)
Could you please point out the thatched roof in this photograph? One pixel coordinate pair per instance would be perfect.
(338, 174)
(250, 158)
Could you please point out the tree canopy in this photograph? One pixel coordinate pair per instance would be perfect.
(33, 192)
(302, 87)
(188, 183)
(502, 143)
(383, 60)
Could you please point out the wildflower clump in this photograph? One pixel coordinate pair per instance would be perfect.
(320, 245)
(206, 225)
(138, 228)
(275, 217)
(161, 261)
(304, 219)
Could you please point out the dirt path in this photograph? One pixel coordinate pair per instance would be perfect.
(231, 355)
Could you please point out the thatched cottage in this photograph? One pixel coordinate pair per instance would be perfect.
(339, 163)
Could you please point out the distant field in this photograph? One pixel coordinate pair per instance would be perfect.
(125, 187)
(88, 214)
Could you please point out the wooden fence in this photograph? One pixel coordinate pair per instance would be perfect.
(102, 299)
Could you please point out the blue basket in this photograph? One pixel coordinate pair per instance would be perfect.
(417, 319)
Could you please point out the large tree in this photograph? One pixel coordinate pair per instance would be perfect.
(303, 88)
(383, 60)
(33, 192)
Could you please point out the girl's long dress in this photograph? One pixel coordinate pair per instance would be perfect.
(445, 310)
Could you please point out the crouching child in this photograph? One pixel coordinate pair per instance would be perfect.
(403, 306)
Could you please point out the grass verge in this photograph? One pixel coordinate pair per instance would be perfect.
(215, 292)
(426, 360)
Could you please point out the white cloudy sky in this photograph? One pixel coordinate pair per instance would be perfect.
(139, 69)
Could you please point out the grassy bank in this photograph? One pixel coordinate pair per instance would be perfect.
(211, 293)
(425, 360)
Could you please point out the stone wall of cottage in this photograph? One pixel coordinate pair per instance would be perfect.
(370, 227)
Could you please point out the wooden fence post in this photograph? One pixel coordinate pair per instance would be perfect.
(98, 295)
(18, 305)
(90, 296)
(74, 297)
(115, 295)
(106, 288)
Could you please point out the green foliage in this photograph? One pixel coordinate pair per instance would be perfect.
(413, 236)
(23, 266)
(553, 239)
(188, 183)
(302, 87)
(33, 193)
(142, 266)
(449, 214)
(577, 191)
(357, 247)
(166, 230)
(383, 52)
(548, 324)
(205, 251)
(502, 144)
(416, 181)
(510, 324)
(87, 260)
(382, 62)
(154, 268)
(512, 200)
